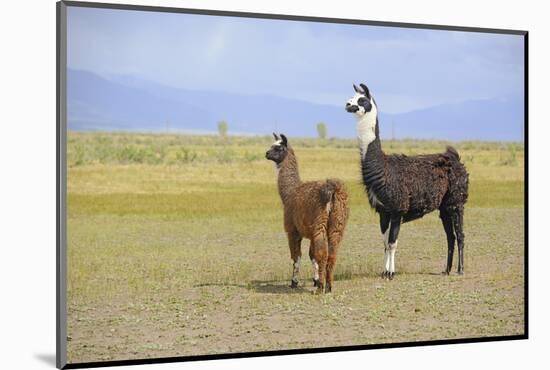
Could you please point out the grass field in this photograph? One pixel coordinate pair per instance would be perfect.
(176, 247)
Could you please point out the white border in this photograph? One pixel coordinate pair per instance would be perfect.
(27, 152)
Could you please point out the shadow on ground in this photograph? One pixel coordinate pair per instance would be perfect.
(278, 287)
(265, 287)
(306, 286)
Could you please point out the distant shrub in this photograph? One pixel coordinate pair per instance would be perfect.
(137, 154)
(78, 155)
(185, 155)
(131, 153)
(175, 149)
(222, 128)
(225, 155)
(322, 130)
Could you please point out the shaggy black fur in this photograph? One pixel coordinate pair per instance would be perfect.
(404, 188)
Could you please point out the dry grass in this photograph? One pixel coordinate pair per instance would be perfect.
(173, 256)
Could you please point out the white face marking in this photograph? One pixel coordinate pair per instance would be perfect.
(277, 143)
(315, 267)
(366, 123)
(353, 101)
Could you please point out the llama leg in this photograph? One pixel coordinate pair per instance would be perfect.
(387, 252)
(314, 265)
(294, 241)
(331, 262)
(395, 225)
(334, 240)
(447, 221)
(385, 229)
(458, 223)
(335, 236)
(320, 246)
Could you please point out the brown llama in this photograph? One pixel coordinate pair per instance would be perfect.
(315, 210)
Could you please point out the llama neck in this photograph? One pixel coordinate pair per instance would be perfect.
(372, 162)
(373, 158)
(367, 130)
(288, 178)
(368, 136)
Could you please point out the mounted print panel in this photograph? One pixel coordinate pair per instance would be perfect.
(237, 184)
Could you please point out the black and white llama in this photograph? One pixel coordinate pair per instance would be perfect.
(404, 188)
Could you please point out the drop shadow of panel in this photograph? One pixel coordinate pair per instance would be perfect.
(47, 358)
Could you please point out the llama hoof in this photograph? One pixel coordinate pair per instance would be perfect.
(391, 275)
(460, 272)
(315, 282)
(320, 288)
(328, 289)
(294, 284)
(386, 275)
(445, 273)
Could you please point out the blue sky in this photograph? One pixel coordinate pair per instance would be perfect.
(406, 69)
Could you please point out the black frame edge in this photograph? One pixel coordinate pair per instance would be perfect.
(61, 171)
(526, 181)
(289, 17)
(301, 351)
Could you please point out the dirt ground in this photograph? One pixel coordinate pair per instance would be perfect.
(258, 315)
(180, 259)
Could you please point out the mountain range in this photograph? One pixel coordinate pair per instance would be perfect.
(125, 103)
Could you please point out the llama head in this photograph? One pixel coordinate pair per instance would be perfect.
(364, 107)
(362, 103)
(279, 149)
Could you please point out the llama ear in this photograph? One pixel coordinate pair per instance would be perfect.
(357, 90)
(365, 90)
(276, 137)
(285, 142)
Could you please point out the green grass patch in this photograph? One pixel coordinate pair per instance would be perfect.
(176, 247)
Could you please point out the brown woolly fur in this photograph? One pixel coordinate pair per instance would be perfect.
(315, 210)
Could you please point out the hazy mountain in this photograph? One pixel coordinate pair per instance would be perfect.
(493, 119)
(126, 103)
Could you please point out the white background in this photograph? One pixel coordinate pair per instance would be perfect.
(27, 193)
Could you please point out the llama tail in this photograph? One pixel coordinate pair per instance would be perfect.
(458, 177)
(448, 159)
(337, 206)
(452, 153)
